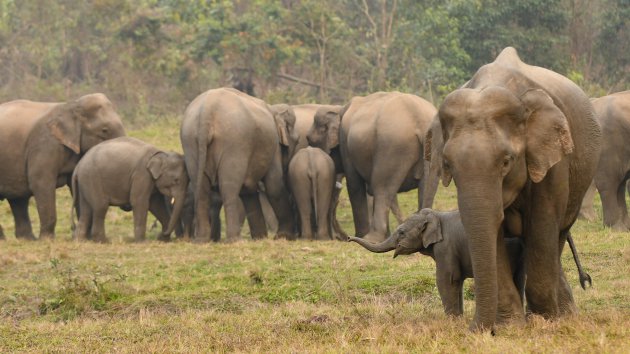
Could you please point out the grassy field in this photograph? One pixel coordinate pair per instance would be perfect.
(274, 296)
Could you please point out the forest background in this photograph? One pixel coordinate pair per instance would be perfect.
(152, 57)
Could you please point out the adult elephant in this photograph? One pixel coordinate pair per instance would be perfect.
(232, 141)
(522, 144)
(379, 140)
(41, 144)
(613, 170)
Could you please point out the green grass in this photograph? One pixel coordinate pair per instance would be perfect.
(274, 296)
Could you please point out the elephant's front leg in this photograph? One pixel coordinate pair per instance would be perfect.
(157, 207)
(44, 192)
(278, 196)
(23, 228)
(140, 211)
(357, 193)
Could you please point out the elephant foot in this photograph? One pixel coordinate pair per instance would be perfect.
(619, 227)
(233, 239)
(374, 237)
(46, 236)
(164, 238)
(28, 237)
(285, 235)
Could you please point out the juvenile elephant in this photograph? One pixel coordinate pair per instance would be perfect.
(41, 145)
(522, 144)
(232, 141)
(312, 181)
(613, 170)
(441, 236)
(134, 175)
(379, 141)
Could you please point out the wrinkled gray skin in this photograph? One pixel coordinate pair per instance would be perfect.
(134, 175)
(522, 144)
(312, 181)
(232, 141)
(613, 170)
(441, 236)
(379, 140)
(41, 145)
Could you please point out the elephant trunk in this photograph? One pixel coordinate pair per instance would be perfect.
(180, 200)
(388, 245)
(481, 208)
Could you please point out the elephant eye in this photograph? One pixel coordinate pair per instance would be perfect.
(176, 181)
(105, 130)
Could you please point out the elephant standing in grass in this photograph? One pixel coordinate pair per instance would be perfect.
(41, 145)
(231, 142)
(441, 236)
(613, 170)
(522, 144)
(312, 181)
(379, 140)
(134, 175)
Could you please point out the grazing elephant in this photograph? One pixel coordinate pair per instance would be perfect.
(312, 181)
(613, 170)
(232, 141)
(441, 236)
(41, 145)
(379, 141)
(522, 144)
(134, 175)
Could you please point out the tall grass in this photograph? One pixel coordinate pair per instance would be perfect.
(274, 296)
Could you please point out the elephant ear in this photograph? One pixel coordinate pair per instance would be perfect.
(154, 165)
(64, 124)
(548, 135)
(285, 120)
(431, 230)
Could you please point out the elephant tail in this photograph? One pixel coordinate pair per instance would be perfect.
(584, 276)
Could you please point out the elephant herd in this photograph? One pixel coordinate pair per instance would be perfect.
(521, 143)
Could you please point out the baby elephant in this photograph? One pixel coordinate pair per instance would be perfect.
(133, 175)
(441, 236)
(312, 179)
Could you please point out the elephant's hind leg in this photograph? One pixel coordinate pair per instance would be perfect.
(23, 228)
(255, 218)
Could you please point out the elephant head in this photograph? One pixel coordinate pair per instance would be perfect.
(168, 172)
(324, 133)
(284, 117)
(495, 140)
(417, 233)
(81, 124)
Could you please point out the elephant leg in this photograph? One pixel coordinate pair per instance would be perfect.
(85, 220)
(609, 190)
(230, 184)
(587, 211)
(278, 197)
(400, 217)
(215, 216)
(23, 228)
(140, 211)
(566, 303)
(451, 292)
(45, 198)
(98, 224)
(338, 232)
(202, 209)
(325, 191)
(255, 218)
(510, 304)
(621, 201)
(385, 185)
(268, 213)
(157, 207)
(357, 192)
(1, 233)
(302, 195)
